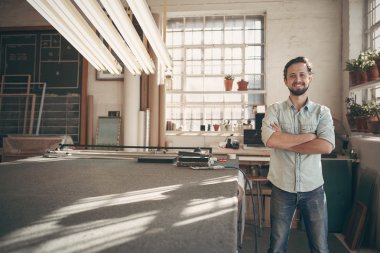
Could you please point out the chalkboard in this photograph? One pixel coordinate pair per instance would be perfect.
(45, 55)
(41, 57)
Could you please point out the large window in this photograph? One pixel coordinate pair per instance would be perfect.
(204, 50)
(373, 38)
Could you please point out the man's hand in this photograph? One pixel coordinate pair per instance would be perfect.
(275, 127)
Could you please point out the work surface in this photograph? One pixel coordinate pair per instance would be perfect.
(116, 205)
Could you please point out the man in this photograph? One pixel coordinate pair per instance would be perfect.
(298, 131)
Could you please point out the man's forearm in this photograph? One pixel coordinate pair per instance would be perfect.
(317, 146)
(286, 141)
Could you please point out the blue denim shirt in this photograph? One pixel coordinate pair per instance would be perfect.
(290, 171)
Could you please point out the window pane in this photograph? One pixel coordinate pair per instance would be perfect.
(377, 14)
(213, 61)
(177, 67)
(176, 54)
(194, 84)
(193, 31)
(173, 98)
(177, 82)
(193, 98)
(214, 84)
(213, 30)
(255, 82)
(234, 23)
(174, 31)
(193, 61)
(213, 115)
(232, 97)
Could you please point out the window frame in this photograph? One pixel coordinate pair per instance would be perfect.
(370, 37)
(243, 99)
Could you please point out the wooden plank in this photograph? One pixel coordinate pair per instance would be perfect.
(355, 227)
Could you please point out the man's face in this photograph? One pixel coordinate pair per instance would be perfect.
(298, 79)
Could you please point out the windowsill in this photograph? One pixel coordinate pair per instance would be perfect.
(365, 135)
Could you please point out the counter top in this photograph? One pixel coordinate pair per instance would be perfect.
(242, 151)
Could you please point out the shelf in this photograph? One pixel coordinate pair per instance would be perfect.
(367, 85)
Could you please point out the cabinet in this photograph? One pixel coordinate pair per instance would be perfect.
(337, 174)
(339, 185)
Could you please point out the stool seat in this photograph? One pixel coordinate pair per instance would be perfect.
(258, 179)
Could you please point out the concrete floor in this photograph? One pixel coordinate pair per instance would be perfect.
(297, 242)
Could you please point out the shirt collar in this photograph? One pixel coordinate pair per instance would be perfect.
(308, 106)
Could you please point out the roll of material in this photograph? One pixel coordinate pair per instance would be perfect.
(141, 129)
(231, 156)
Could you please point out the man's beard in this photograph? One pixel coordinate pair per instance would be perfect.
(298, 92)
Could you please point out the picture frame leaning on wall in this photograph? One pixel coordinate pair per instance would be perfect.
(107, 76)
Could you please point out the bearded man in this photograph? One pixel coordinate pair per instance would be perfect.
(298, 131)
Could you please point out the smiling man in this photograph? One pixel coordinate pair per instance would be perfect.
(298, 131)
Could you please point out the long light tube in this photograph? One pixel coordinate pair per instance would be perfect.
(56, 21)
(92, 55)
(123, 23)
(141, 10)
(74, 19)
(103, 24)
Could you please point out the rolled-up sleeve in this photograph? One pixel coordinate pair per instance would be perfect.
(325, 129)
(270, 118)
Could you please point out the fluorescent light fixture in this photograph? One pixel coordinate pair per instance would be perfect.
(143, 15)
(82, 29)
(57, 20)
(123, 23)
(48, 14)
(103, 24)
(68, 20)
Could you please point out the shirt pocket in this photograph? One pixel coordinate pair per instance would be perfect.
(308, 128)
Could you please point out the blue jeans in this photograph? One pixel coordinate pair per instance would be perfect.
(313, 209)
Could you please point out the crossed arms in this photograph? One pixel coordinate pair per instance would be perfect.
(307, 143)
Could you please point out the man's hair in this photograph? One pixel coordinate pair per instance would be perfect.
(299, 59)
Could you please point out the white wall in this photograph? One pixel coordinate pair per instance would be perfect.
(107, 96)
(293, 28)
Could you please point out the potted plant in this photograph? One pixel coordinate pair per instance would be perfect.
(373, 121)
(353, 68)
(366, 65)
(369, 59)
(362, 117)
(351, 107)
(357, 115)
(228, 81)
(242, 84)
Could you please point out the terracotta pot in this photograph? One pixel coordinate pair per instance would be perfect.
(357, 77)
(351, 122)
(361, 123)
(216, 127)
(374, 126)
(242, 85)
(378, 65)
(228, 84)
(353, 78)
(373, 73)
(362, 77)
